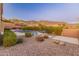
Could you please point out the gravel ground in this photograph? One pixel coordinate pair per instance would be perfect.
(31, 47)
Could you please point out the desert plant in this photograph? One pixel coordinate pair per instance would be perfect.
(49, 30)
(25, 28)
(20, 40)
(31, 28)
(58, 30)
(28, 34)
(9, 38)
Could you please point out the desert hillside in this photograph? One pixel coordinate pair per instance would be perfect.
(19, 23)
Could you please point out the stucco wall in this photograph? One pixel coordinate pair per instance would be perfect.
(71, 33)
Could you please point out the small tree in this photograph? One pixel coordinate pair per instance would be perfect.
(28, 34)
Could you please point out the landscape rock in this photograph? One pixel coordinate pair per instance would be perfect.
(62, 43)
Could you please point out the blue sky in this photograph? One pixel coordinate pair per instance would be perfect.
(42, 11)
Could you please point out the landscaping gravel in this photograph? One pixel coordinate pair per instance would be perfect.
(31, 47)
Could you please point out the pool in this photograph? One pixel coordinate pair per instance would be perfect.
(34, 33)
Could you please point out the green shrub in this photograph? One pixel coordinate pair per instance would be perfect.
(55, 30)
(31, 28)
(20, 40)
(49, 30)
(9, 38)
(58, 30)
(28, 34)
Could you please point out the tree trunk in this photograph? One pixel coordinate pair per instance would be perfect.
(1, 23)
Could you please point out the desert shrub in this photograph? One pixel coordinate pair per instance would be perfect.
(49, 30)
(58, 30)
(31, 28)
(26, 28)
(28, 34)
(20, 40)
(9, 38)
(55, 30)
(36, 28)
(42, 27)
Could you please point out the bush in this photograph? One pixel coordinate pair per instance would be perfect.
(49, 30)
(9, 38)
(31, 28)
(55, 30)
(58, 30)
(28, 34)
(20, 40)
(27, 28)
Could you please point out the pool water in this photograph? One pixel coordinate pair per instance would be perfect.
(34, 33)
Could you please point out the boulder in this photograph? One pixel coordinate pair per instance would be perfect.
(56, 41)
(40, 38)
(62, 43)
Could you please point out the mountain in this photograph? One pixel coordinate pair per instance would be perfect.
(20, 23)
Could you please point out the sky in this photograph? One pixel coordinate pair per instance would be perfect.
(42, 11)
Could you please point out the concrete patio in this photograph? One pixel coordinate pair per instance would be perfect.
(67, 39)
